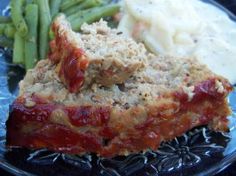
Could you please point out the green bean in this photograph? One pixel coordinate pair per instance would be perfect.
(51, 34)
(78, 15)
(84, 5)
(31, 52)
(2, 28)
(17, 16)
(30, 1)
(55, 7)
(94, 14)
(6, 42)
(106, 2)
(18, 49)
(69, 3)
(5, 19)
(10, 30)
(44, 21)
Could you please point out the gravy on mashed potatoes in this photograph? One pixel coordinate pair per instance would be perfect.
(188, 28)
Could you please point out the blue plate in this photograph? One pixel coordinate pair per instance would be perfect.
(198, 152)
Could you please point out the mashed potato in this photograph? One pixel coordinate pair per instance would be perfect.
(189, 28)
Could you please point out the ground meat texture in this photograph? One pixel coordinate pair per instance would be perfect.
(97, 54)
(164, 100)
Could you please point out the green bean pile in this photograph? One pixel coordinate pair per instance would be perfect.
(27, 30)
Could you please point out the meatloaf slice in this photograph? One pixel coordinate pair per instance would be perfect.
(164, 100)
(97, 54)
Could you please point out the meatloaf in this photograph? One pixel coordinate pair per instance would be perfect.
(153, 103)
(97, 54)
(164, 100)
